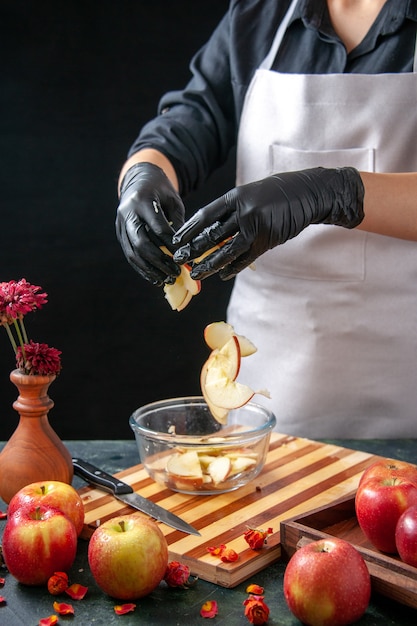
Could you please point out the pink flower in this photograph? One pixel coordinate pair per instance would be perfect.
(17, 299)
(38, 359)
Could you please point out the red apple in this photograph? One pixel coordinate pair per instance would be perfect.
(128, 556)
(38, 541)
(379, 503)
(52, 494)
(389, 468)
(327, 583)
(406, 536)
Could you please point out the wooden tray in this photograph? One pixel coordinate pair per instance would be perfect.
(389, 575)
(299, 475)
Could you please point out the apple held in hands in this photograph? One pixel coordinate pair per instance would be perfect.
(390, 468)
(38, 541)
(379, 503)
(52, 494)
(406, 536)
(327, 583)
(128, 556)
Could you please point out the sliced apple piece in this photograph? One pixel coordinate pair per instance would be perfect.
(220, 415)
(193, 286)
(241, 464)
(227, 359)
(219, 469)
(226, 393)
(217, 334)
(185, 470)
(180, 293)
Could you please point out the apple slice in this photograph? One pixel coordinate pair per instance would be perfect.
(226, 393)
(219, 469)
(180, 293)
(217, 334)
(184, 469)
(227, 359)
(220, 415)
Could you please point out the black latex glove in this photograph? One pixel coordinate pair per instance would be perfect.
(149, 212)
(261, 215)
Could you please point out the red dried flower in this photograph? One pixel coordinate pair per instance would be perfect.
(255, 589)
(17, 299)
(38, 358)
(63, 609)
(122, 609)
(229, 555)
(177, 575)
(209, 609)
(256, 610)
(48, 621)
(57, 583)
(76, 591)
(256, 538)
(217, 550)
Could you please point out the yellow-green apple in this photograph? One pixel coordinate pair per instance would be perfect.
(128, 556)
(52, 494)
(327, 583)
(406, 536)
(379, 503)
(217, 334)
(38, 541)
(390, 468)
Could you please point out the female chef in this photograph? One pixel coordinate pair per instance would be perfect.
(320, 99)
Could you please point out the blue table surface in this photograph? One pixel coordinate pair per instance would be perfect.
(24, 605)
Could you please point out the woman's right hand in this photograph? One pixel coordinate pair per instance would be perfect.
(149, 212)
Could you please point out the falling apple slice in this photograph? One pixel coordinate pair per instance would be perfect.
(217, 334)
(220, 415)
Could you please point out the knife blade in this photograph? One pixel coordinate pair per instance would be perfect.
(124, 492)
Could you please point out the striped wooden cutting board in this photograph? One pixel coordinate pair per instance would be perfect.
(299, 475)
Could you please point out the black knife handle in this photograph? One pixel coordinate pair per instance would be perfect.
(98, 478)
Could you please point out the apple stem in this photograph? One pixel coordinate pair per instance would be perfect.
(43, 489)
(122, 526)
(38, 514)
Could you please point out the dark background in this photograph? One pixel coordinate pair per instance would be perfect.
(78, 80)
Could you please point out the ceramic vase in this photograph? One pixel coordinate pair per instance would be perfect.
(34, 452)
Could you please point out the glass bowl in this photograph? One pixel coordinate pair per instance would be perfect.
(185, 449)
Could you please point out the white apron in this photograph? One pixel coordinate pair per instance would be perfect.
(333, 311)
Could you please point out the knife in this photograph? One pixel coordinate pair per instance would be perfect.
(124, 492)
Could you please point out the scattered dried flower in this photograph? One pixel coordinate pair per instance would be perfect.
(2, 600)
(178, 575)
(256, 538)
(63, 609)
(76, 591)
(229, 555)
(2, 581)
(48, 621)
(3, 514)
(255, 589)
(256, 611)
(121, 609)
(17, 298)
(57, 583)
(217, 550)
(209, 609)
